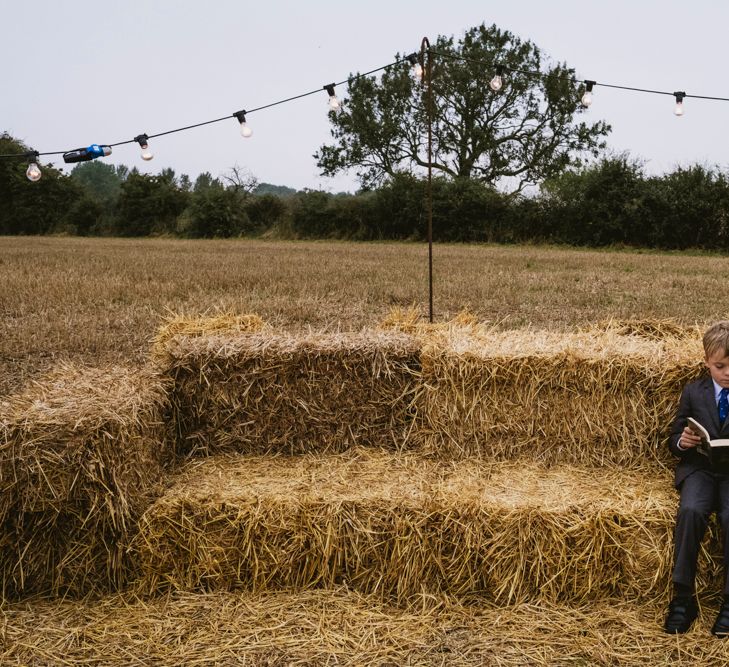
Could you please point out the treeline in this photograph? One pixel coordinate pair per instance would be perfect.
(611, 202)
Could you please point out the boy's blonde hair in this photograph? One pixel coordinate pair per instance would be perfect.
(716, 339)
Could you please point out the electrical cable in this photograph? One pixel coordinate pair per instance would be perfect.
(506, 68)
(29, 154)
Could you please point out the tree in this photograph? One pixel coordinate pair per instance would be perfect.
(241, 180)
(601, 204)
(216, 212)
(517, 137)
(149, 204)
(31, 208)
(205, 181)
(100, 179)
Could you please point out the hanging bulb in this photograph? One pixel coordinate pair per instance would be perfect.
(334, 103)
(245, 130)
(33, 172)
(679, 103)
(417, 67)
(497, 82)
(142, 140)
(587, 97)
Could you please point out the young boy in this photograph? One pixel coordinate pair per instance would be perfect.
(703, 489)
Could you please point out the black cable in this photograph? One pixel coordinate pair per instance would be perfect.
(573, 79)
(218, 120)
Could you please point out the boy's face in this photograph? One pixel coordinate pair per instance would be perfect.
(718, 366)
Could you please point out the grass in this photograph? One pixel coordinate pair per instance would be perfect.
(101, 300)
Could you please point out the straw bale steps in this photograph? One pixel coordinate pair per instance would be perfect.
(80, 452)
(337, 627)
(592, 398)
(397, 524)
(273, 392)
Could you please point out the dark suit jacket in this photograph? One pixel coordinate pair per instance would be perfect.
(697, 401)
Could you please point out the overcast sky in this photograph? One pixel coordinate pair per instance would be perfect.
(88, 71)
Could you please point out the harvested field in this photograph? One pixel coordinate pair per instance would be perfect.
(397, 525)
(80, 453)
(102, 300)
(339, 627)
(274, 392)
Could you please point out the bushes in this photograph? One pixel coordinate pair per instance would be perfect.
(215, 213)
(610, 202)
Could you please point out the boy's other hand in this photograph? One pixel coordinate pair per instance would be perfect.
(689, 439)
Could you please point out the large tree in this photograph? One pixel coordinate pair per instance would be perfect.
(516, 137)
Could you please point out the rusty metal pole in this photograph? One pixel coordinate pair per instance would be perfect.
(428, 83)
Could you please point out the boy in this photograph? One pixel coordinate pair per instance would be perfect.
(703, 489)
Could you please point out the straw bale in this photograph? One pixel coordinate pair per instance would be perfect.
(411, 320)
(275, 392)
(588, 398)
(396, 524)
(651, 328)
(346, 629)
(183, 325)
(79, 452)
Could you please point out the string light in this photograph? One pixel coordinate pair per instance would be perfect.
(417, 67)
(498, 81)
(95, 150)
(245, 130)
(679, 95)
(143, 141)
(33, 172)
(334, 103)
(587, 97)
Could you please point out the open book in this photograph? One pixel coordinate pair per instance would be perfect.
(717, 451)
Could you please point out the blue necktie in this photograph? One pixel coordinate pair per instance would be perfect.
(723, 405)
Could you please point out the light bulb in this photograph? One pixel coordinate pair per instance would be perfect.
(496, 83)
(33, 172)
(245, 131)
(417, 67)
(679, 103)
(334, 103)
(147, 154)
(587, 96)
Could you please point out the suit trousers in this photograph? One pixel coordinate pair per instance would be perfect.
(702, 493)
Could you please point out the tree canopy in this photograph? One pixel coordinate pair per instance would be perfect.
(516, 137)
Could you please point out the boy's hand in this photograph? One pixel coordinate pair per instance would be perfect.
(689, 439)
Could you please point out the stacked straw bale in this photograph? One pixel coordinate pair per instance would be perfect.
(272, 392)
(80, 452)
(396, 525)
(591, 398)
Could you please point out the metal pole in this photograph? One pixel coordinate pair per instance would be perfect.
(428, 81)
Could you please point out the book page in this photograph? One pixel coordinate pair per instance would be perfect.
(698, 429)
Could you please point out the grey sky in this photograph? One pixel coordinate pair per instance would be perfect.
(81, 72)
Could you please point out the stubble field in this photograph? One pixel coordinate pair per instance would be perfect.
(100, 300)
